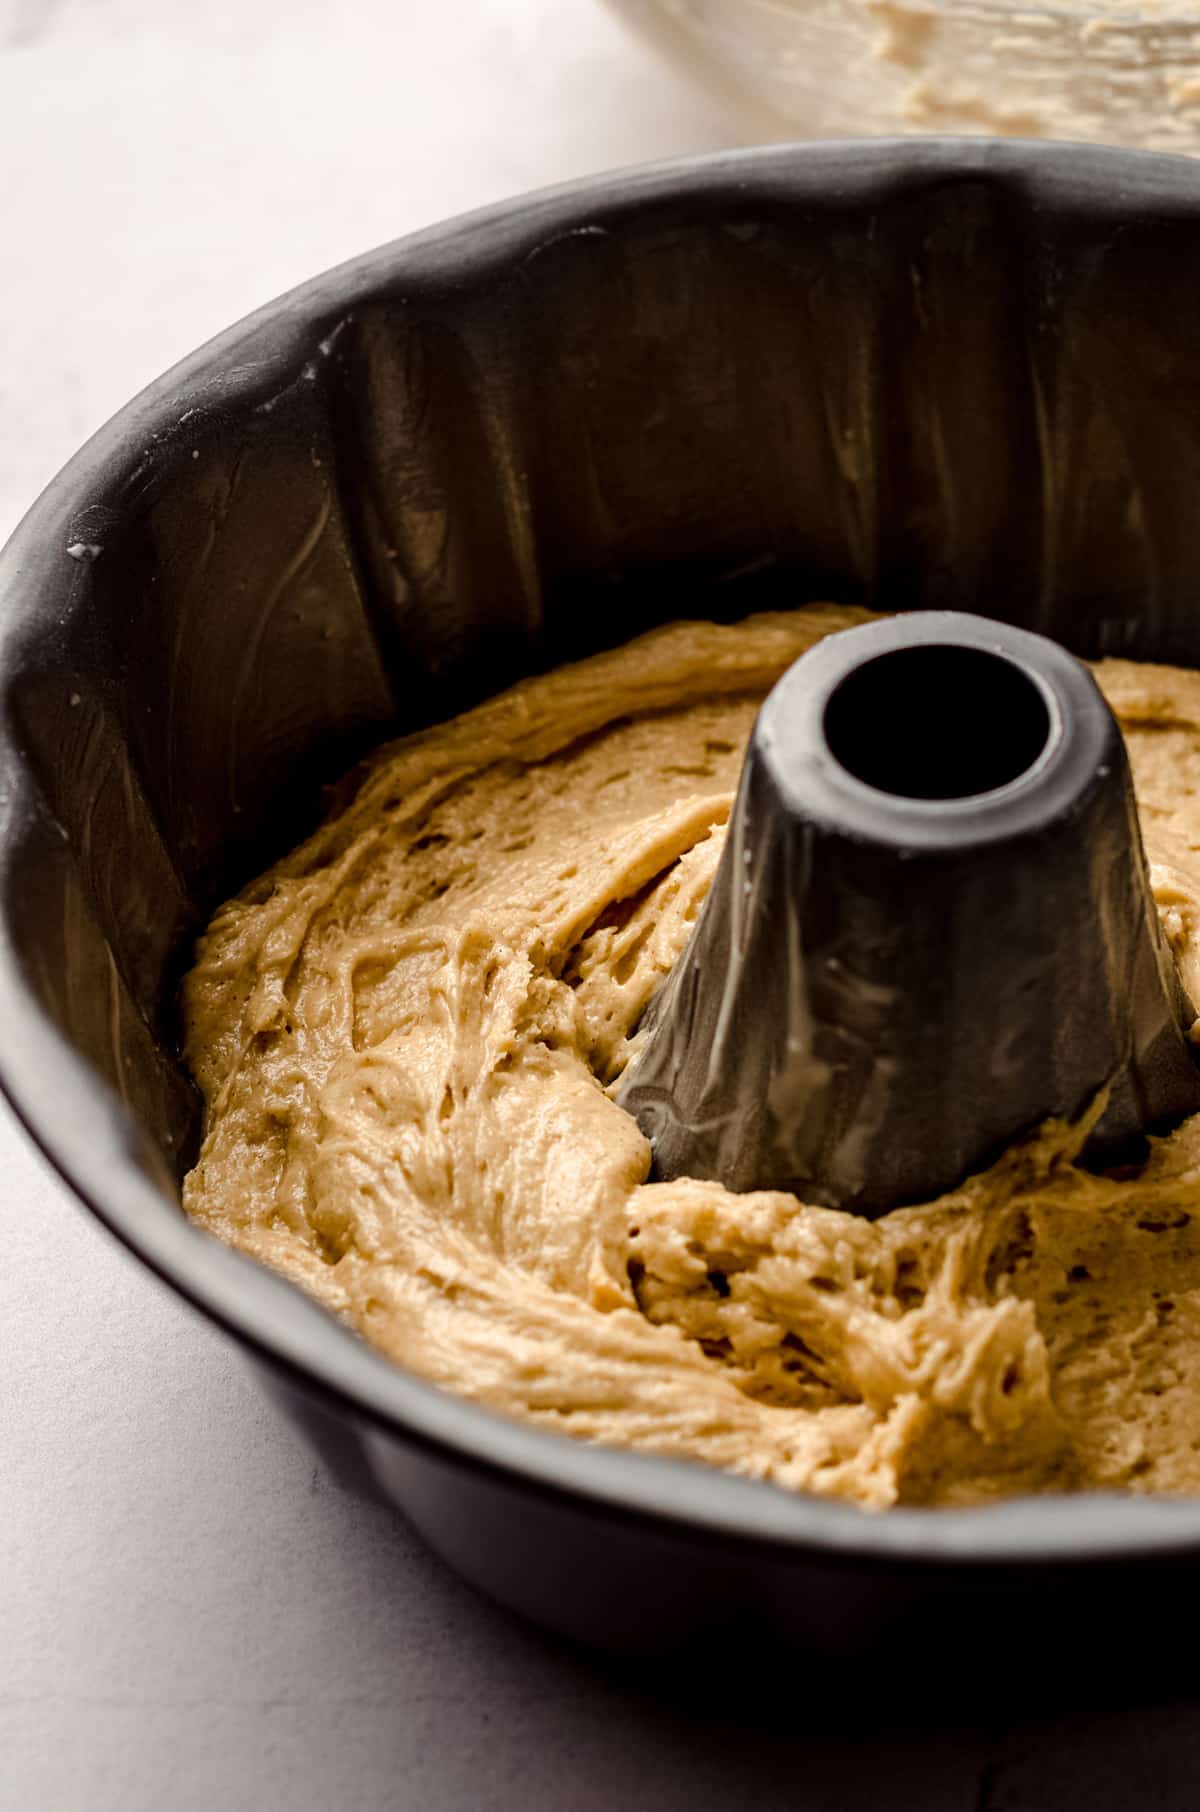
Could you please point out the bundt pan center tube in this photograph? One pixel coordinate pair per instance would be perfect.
(931, 928)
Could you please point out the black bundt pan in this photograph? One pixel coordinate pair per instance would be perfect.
(911, 374)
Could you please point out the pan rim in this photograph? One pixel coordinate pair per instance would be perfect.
(92, 1143)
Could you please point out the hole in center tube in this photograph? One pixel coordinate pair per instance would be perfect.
(937, 722)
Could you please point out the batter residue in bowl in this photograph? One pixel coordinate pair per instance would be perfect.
(408, 1034)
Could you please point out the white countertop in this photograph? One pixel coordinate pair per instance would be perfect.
(192, 1615)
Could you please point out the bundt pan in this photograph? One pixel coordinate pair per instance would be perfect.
(940, 375)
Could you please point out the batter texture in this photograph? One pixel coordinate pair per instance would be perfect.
(408, 1034)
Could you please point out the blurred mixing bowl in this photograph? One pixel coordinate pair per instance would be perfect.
(1084, 69)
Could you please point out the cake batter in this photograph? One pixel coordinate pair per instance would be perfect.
(409, 1032)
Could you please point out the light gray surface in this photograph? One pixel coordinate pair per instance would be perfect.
(191, 1614)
